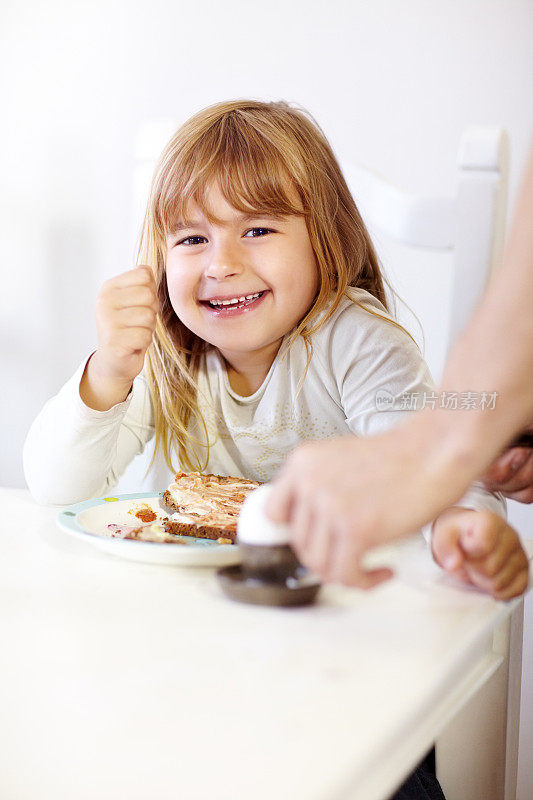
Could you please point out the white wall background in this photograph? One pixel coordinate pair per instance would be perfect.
(393, 84)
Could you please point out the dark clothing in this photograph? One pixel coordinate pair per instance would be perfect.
(422, 784)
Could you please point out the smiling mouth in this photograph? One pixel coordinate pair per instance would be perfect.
(234, 303)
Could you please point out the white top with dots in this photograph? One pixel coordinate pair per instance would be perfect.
(363, 377)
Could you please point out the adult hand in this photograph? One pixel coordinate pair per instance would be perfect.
(512, 473)
(342, 496)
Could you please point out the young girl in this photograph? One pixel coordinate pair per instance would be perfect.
(257, 320)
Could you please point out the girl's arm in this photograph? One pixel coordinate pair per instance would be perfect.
(73, 452)
(85, 437)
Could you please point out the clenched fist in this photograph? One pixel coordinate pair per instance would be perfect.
(126, 312)
(480, 548)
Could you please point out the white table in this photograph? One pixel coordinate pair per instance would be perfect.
(125, 681)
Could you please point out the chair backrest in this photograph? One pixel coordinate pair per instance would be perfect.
(470, 224)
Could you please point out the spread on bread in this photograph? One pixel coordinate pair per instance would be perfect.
(203, 506)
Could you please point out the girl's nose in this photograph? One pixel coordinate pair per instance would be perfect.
(224, 263)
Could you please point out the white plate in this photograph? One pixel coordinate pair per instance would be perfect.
(89, 520)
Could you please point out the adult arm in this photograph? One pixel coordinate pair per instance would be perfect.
(352, 494)
(496, 351)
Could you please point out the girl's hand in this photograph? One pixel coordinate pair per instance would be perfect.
(480, 548)
(126, 312)
(512, 474)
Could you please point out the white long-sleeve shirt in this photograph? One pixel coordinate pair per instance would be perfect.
(363, 375)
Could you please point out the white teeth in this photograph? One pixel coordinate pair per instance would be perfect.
(234, 300)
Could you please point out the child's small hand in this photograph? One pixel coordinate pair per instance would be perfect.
(126, 310)
(480, 548)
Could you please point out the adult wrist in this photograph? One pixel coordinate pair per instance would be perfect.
(448, 442)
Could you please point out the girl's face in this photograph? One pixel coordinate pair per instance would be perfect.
(243, 283)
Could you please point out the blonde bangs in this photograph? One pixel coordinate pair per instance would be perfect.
(252, 173)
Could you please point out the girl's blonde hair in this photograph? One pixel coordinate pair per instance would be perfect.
(258, 153)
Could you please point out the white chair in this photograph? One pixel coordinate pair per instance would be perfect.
(469, 226)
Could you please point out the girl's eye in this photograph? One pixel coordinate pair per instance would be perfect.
(191, 240)
(257, 232)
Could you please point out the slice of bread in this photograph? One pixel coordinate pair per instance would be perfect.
(205, 506)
